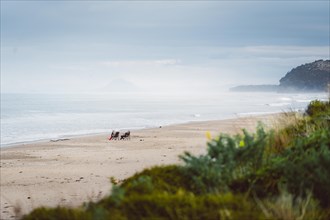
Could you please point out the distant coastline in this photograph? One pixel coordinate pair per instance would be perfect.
(306, 78)
(272, 88)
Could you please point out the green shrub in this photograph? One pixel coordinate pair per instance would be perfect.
(228, 159)
(58, 213)
(158, 179)
(316, 108)
(163, 178)
(307, 166)
(156, 193)
(185, 205)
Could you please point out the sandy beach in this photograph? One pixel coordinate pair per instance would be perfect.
(76, 170)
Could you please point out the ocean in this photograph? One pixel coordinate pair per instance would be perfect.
(33, 117)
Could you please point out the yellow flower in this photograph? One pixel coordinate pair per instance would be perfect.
(241, 143)
(208, 135)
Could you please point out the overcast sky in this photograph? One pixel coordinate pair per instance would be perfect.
(85, 46)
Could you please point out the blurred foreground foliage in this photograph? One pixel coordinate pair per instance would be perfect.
(276, 174)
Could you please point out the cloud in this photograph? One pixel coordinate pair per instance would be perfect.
(79, 68)
(287, 51)
(125, 63)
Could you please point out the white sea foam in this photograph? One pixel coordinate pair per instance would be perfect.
(280, 104)
(285, 99)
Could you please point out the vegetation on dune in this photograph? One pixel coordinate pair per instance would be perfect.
(276, 174)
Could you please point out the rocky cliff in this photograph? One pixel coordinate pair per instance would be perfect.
(313, 76)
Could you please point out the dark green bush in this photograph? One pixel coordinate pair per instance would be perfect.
(228, 159)
(306, 166)
(186, 205)
(163, 178)
(58, 213)
(316, 108)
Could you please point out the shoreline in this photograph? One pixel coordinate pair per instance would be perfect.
(74, 136)
(77, 170)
